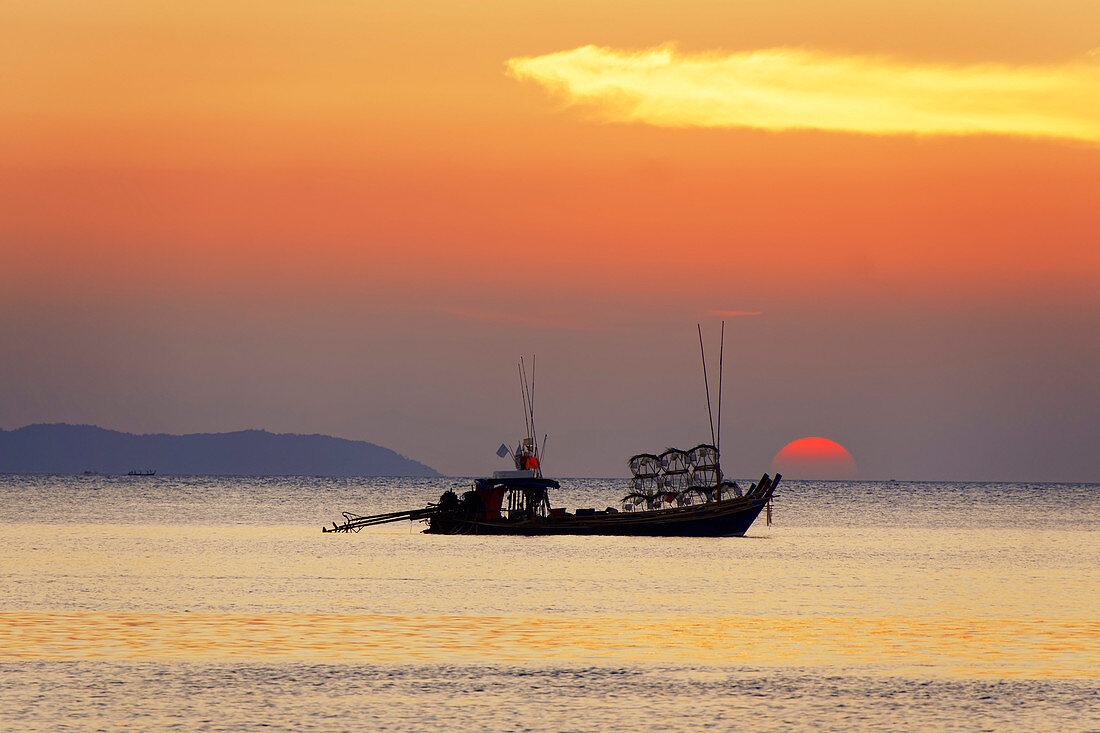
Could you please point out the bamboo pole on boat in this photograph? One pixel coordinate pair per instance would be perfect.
(534, 433)
(721, 350)
(721, 372)
(530, 401)
(703, 355)
(523, 393)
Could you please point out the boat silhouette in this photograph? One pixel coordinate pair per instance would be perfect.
(675, 494)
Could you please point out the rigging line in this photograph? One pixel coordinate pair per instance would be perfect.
(703, 354)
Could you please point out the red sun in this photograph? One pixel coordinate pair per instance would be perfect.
(819, 458)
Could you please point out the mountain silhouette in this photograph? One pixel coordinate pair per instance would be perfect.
(63, 448)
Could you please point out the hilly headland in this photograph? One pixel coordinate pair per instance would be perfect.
(63, 448)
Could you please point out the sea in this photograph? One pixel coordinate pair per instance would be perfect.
(206, 603)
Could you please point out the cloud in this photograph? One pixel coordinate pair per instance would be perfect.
(735, 314)
(788, 88)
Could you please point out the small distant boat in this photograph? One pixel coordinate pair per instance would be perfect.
(146, 472)
(675, 494)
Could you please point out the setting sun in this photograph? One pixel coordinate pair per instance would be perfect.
(818, 458)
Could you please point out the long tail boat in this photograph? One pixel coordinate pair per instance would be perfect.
(674, 494)
(518, 503)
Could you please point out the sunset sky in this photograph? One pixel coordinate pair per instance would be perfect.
(351, 218)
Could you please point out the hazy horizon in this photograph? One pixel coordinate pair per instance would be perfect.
(498, 464)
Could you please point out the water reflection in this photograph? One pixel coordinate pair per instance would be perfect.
(952, 647)
(954, 600)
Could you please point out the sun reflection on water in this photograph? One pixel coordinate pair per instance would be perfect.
(1031, 648)
(891, 589)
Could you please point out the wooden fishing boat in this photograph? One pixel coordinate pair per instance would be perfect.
(674, 494)
(518, 503)
(476, 513)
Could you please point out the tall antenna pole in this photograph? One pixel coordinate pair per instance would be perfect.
(530, 407)
(534, 435)
(523, 392)
(706, 384)
(721, 349)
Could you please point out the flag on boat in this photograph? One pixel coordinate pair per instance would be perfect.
(502, 450)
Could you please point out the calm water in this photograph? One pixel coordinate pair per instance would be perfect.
(209, 603)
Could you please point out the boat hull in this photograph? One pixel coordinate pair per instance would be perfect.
(724, 519)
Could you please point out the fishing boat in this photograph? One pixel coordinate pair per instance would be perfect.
(678, 493)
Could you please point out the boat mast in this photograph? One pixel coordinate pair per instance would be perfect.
(528, 390)
(703, 354)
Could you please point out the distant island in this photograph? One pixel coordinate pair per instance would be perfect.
(62, 448)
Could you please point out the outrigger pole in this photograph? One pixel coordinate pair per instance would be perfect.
(703, 354)
(354, 522)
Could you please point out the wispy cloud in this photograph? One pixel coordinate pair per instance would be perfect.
(787, 88)
(735, 314)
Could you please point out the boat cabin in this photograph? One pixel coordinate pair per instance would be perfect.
(510, 495)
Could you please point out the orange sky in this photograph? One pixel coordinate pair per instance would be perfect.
(342, 164)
